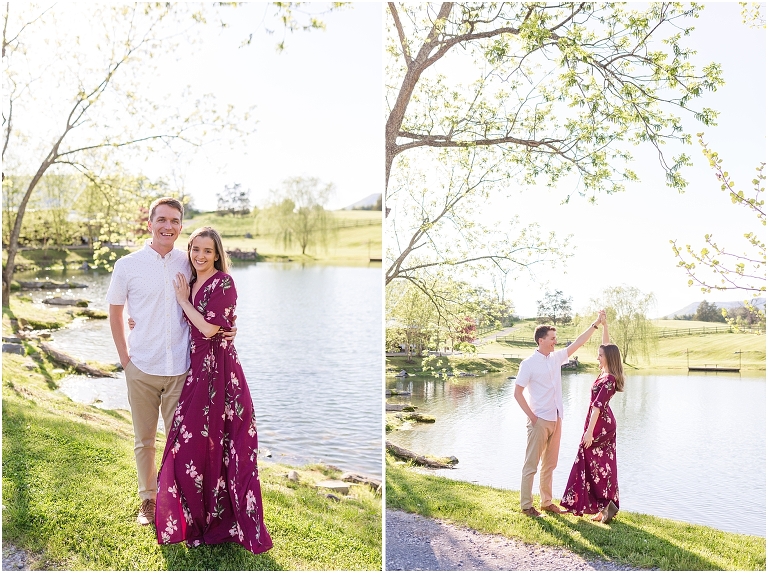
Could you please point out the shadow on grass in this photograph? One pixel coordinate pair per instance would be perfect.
(634, 539)
(42, 365)
(9, 313)
(226, 556)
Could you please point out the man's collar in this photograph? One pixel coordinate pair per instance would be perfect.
(148, 245)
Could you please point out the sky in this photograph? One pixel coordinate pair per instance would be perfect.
(624, 238)
(318, 106)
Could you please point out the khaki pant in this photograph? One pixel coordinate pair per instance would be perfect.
(147, 394)
(544, 445)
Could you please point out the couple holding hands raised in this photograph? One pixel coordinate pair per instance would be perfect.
(592, 487)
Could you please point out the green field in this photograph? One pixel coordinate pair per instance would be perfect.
(632, 539)
(69, 489)
(357, 240)
(671, 353)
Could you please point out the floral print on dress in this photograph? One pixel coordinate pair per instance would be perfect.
(593, 480)
(208, 486)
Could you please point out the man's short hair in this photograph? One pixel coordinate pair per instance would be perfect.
(170, 201)
(542, 331)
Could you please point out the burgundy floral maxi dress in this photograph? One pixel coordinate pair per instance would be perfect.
(593, 480)
(208, 485)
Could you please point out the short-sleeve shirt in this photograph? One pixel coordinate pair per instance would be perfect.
(143, 281)
(542, 377)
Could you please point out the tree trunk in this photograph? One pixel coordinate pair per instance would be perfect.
(13, 241)
(415, 68)
(402, 453)
(82, 367)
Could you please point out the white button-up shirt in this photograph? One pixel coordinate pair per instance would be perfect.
(142, 280)
(542, 377)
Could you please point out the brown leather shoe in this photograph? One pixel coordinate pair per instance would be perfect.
(610, 512)
(531, 512)
(552, 508)
(146, 512)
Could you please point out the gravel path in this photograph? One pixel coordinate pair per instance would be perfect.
(14, 559)
(416, 543)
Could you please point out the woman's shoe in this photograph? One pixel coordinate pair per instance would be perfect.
(598, 516)
(610, 512)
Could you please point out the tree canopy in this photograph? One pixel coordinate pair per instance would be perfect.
(555, 307)
(708, 312)
(569, 86)
(487, 99)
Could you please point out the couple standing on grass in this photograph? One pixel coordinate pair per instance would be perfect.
(180, 360)
(592, 487)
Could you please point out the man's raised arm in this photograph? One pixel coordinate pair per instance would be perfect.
(583, 337)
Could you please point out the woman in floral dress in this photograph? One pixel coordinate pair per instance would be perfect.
(593, 486)
(208, 485)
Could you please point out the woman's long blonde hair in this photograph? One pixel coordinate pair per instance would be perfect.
(613, 362)
(222, 259)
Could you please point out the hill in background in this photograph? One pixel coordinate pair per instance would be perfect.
(368, 202)
(691, 308)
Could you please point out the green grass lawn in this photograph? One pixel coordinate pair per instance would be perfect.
(439, 364)
(36, 315)
(55, 257)
(69, 493)
(632, 539)
(670, 353)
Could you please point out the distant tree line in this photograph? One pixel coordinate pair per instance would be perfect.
(739, 316)
(73, 209)
(440, 313)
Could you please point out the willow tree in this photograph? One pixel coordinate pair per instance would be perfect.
(517, 94)
(298, 210)
(628, 313)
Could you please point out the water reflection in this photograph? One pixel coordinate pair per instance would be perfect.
(690, 448)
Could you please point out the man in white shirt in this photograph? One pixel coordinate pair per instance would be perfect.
(156, 355)
(540, 373)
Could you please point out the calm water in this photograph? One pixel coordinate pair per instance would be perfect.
(690, 448)
(309, 340)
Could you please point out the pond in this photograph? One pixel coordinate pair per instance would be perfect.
(309, 340)
(689, 448)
